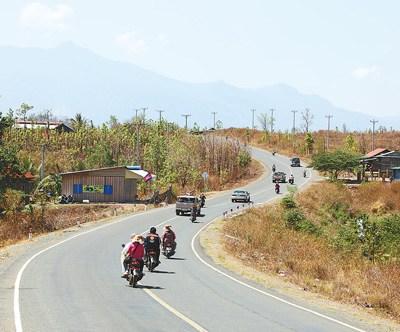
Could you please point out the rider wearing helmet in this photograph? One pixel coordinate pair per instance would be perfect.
(168, 237)
(152, 241)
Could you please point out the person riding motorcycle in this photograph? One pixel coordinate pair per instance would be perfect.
(125, 259)
(152, 242)
(202, 200)
(136, 251)
(305, 173)
(193, 213)
(291, 179)
(273, 168)
(168, 237)
(277, 187)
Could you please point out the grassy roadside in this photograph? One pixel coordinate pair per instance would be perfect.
(316, 245)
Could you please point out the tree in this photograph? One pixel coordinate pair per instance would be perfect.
(307, 118)
(23, 111)
(265, 122)
(350, 143)
(309, 142)
(78, 122)
(336, 162)
(10, 168)
(219, 124)
(5, 122)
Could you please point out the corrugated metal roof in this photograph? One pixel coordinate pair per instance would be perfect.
(376, 152)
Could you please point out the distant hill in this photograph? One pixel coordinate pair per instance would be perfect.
(70, 79)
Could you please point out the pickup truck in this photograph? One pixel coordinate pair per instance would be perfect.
(279, 177)
(185, 203)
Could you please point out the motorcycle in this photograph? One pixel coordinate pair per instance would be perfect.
(291, 180)
(273, 168)
(202, 201)
(277, 189)
(134, 273)
(193, 215)
(168, 250)
(151, 260)
(305, 173)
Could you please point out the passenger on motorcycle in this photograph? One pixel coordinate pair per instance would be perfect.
(273, 168)
(136, 251)
(153, 242)
(168, 237)
(125, 259)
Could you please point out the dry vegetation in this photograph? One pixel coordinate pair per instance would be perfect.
(318, 258)
(57, 217)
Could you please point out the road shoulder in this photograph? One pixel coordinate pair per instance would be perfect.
(211, 241)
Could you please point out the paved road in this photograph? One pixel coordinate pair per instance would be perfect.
(76, 286)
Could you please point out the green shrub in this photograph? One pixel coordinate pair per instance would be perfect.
(307, 226)
(293, 218)
(288, 202)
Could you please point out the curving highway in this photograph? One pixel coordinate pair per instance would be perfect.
(75, 285)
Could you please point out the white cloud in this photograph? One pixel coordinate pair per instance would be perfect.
(131, 43)
(363, 72)
(37, 15)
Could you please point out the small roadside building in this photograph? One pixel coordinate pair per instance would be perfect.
(111, 184)
(380, 163)
(57, 126)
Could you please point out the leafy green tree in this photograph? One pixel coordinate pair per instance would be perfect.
(5, 123)
(10, 168)
(350, 143)
(100, 156)
(23, 110)
(79, 122)
(309, 143)
(336, 162)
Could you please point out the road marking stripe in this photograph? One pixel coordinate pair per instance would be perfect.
(259, 290)
(192, 323)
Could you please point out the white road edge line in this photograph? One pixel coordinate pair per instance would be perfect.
(259, 290)
(17, 310)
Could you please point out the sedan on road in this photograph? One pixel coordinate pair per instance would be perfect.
(279, 177)
(240, 196)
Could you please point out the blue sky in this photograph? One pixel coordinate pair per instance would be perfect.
(345, 51)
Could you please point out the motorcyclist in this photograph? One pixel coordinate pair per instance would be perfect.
(193, 213)
(273, 168)
(291, 179)
(277, 187)
(202, 199)
(136, 251)
(152, 242)
(125, 258)
(168, 237)
(305, 173)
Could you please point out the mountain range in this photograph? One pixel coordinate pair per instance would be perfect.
(69, 79)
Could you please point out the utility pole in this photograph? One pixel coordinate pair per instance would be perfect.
(272, 120)
(294, 121)
(213, 113)
(160, 112)
(144, 109)
(329, 117)
(252, 118)
(374, 122)
(42, 157)
(137, 136)
(186, 119)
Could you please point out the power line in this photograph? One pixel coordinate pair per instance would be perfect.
(186, 119)
(373, 132)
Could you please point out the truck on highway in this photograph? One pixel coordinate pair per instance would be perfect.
(185, 204)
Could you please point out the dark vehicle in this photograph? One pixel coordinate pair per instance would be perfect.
(151, 260)
(168, 250)
(240, 196)
(185, 204)
(134, 273)
(295, 162)
(279, 177)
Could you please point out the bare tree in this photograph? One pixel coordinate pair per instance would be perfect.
(307, 118)
(265, 122)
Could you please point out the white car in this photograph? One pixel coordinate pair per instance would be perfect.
(240, 196)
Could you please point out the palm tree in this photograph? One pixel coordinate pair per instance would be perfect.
(78, 122)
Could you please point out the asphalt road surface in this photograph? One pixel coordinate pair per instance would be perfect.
(76, 285)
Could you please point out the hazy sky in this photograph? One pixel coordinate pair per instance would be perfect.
(347, 51)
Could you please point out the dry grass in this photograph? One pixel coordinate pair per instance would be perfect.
(312, 262)
(58, 217)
